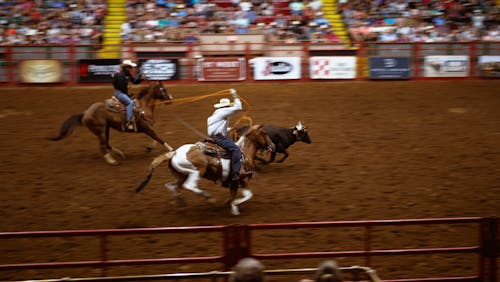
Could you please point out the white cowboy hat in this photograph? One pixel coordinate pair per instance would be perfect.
(224, 102)
(128, 63)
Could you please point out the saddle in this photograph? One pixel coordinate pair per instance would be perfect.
(210, 148)
(113, 105)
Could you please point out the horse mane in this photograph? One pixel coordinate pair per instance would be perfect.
(145, 90)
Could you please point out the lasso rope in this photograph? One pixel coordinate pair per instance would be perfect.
(245, 116)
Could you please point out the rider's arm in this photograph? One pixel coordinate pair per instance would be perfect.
(136, 80)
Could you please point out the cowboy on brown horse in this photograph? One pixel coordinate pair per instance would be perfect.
(120, 83)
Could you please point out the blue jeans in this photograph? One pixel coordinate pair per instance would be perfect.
(228, 144)
(127, 101)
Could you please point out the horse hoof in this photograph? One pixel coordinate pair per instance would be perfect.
(116, 152)
(234, 210)
(110, 160)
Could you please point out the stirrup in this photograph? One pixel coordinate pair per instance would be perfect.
(130, 125)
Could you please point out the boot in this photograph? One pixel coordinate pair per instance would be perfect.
(130, 125)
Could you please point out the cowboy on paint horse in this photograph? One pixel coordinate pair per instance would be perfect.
(120, 83)
(217, 127)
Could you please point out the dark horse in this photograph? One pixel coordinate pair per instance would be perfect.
(102, 116)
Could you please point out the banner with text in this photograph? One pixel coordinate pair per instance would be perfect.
(489, 66)
(98, 70)
(221, 69)
(160, 69)
(40, 71)
(334, 67)
(267, 68)
(389, 68)
(446, 66)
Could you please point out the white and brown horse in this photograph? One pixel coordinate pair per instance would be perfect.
(190, 162)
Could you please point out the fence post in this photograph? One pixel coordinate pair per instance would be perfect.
(236, 244)
(490, 248)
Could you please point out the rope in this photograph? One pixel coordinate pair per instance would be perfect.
(201, 97)
(196, 98)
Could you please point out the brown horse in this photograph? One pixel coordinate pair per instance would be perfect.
(102, 116)
(191, 161)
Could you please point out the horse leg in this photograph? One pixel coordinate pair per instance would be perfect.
(172, 187)
(191, 184)
(106, 149)
(114, 151)
(149, 131)
(247, 195)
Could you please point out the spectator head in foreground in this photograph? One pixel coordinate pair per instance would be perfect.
(248, 270)
(328, 271)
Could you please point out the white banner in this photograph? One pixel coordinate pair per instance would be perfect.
(276, 68)
(446, 66)
(332, 67)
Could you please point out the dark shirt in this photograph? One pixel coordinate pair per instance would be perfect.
(121, 79)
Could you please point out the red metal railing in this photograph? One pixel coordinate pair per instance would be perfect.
(238, 241)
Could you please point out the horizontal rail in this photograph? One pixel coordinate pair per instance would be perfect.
(238, 239)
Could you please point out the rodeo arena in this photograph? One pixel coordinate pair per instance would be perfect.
(250, 140)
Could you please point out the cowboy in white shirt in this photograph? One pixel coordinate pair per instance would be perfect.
(217, 127)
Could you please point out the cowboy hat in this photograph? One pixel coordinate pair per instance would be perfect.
(224, 102)
(128, 63)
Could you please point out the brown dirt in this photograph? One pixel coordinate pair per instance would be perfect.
(381, 150)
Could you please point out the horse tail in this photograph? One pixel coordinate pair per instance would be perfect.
(67, 126)
(156, 162)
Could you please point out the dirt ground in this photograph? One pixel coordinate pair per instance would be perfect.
(380, 150)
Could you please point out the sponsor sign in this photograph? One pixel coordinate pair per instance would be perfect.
(40, 71)
(489, 66)
(389, 68)
(98, 70)
(335, 67)
(221, 69)
(160, 69)
(446, 66)
(266, 68)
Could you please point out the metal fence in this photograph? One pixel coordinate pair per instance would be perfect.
(239, 241)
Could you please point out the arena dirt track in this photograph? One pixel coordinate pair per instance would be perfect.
(381, 150)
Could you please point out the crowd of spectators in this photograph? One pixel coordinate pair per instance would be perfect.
(421, 21)
(51, 21)
(81, 21)
(182, 21)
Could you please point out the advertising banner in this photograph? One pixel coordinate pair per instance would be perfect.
(389, 68)
(98, 70)
(160, 69)
(221, 69)
(40, 71)
(489, 66)
(334, 67)
(267, 68)
(446, 66)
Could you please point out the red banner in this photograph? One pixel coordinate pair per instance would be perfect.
(221, 69)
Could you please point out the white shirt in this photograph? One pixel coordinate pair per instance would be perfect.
(217, 123)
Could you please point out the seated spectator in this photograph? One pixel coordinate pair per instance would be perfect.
(248, 270)
(328, 271)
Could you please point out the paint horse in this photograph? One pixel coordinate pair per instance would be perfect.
(190, 162)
